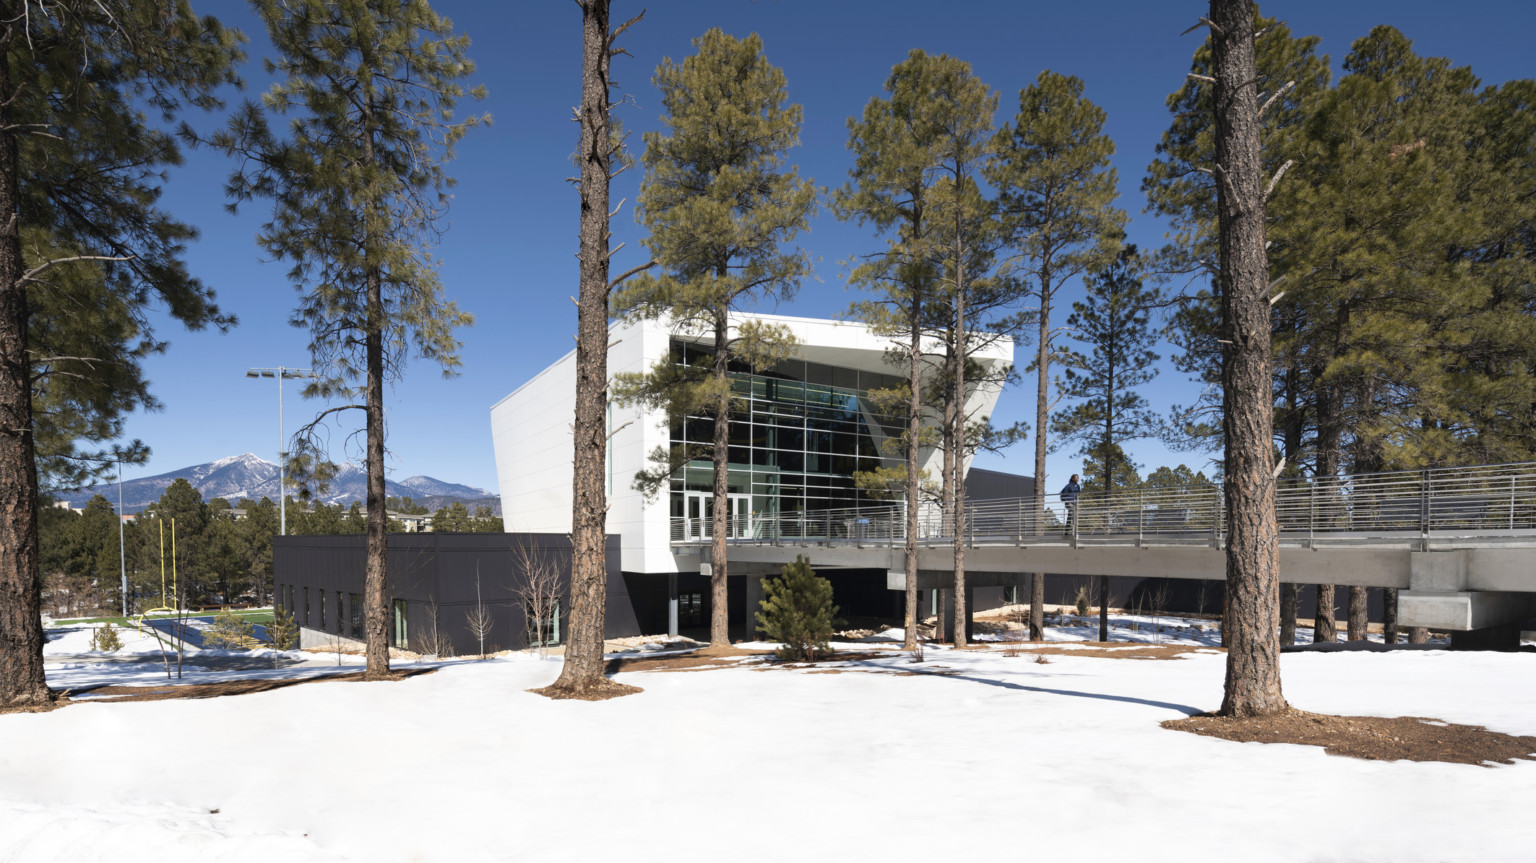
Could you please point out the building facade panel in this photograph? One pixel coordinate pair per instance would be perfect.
(805, 429)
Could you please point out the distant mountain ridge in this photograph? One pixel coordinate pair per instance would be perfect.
(250, 476)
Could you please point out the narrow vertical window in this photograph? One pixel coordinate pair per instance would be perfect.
(401, 639)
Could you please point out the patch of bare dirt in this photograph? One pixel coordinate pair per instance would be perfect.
(733, 657)
(1111, 650)
(1374, 738)
(60, 699)
(833, 657)
(729, 657)
(601, 692)
(215, 690)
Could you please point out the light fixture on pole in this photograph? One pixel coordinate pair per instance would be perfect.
(281, 372)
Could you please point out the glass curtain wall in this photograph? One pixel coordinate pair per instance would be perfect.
(799, 432)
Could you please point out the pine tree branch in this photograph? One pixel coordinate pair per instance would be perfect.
(1275, 180)
(1204, 22)
(1277, 94)
(32, 274)
(619, 31)
(636, 270)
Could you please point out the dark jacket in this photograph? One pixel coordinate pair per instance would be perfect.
(1070, 491)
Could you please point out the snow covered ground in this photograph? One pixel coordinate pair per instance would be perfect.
(976, 756)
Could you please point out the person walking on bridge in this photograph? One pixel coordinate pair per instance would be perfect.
(1069, 493)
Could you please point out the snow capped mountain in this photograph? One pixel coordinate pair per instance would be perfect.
(427, 486)
(250, 476)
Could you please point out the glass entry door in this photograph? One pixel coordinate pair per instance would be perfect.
(699, 508)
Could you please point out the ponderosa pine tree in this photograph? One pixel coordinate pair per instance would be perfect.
(600, 156)
(1253, 562)
(1180, 187)
(797, 611)
(359, 190)
(79, 173)
(1114, 323)
(1056, 192)
(719, 203)
(965, 236)
(896, 168)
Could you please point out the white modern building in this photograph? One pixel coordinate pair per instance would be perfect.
(804, 429)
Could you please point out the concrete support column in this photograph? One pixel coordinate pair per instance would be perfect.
(754, 602)
(970, 614)
(945, 610)
(672, 604)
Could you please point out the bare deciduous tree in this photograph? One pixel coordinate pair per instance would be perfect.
(538, 590)
(433, 641)
(481, 619)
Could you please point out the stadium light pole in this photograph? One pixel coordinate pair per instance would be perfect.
(281, 372)
(122, 550)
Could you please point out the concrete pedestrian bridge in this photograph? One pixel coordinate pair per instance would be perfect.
(1459, 543)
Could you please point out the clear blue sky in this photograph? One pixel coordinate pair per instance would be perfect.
(508, 255)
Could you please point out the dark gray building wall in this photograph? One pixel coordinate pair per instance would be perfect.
(982, 484)
(436, 570)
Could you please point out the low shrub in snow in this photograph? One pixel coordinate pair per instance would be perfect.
(229, 632)
(797, 610)
(282, 629)
(106, 639)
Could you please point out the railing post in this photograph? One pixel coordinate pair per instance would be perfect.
(1511, 502)
(1312, 516)
(1216, 519)
(1075, 512)
(1426, 499)
(1141, 514)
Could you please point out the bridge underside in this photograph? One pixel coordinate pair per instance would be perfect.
(1448, 589)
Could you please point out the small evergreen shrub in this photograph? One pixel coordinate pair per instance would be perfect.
(106, 639)
(229, 632)
(283, 631)
(1083, 602)
(797, 610)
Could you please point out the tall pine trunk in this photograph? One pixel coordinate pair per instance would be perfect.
(719, 617)
(22, 681)
(1290, 592)
(583, 672)
(1359, 613)
(1290, 595)
(958, 397)
(375, 590)
(1253, 655)
(1109, 484)
(1329, 435)
(1042, 405)
(1389, 615)
(914, 450)
(1323, 629)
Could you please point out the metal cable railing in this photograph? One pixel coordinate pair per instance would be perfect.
(1486, 500)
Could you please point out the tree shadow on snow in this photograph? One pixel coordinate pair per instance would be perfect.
(1128, 699)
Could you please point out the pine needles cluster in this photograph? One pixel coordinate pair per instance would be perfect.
(229, 632)
(797, 611)
(283, 631)
(105, 639)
